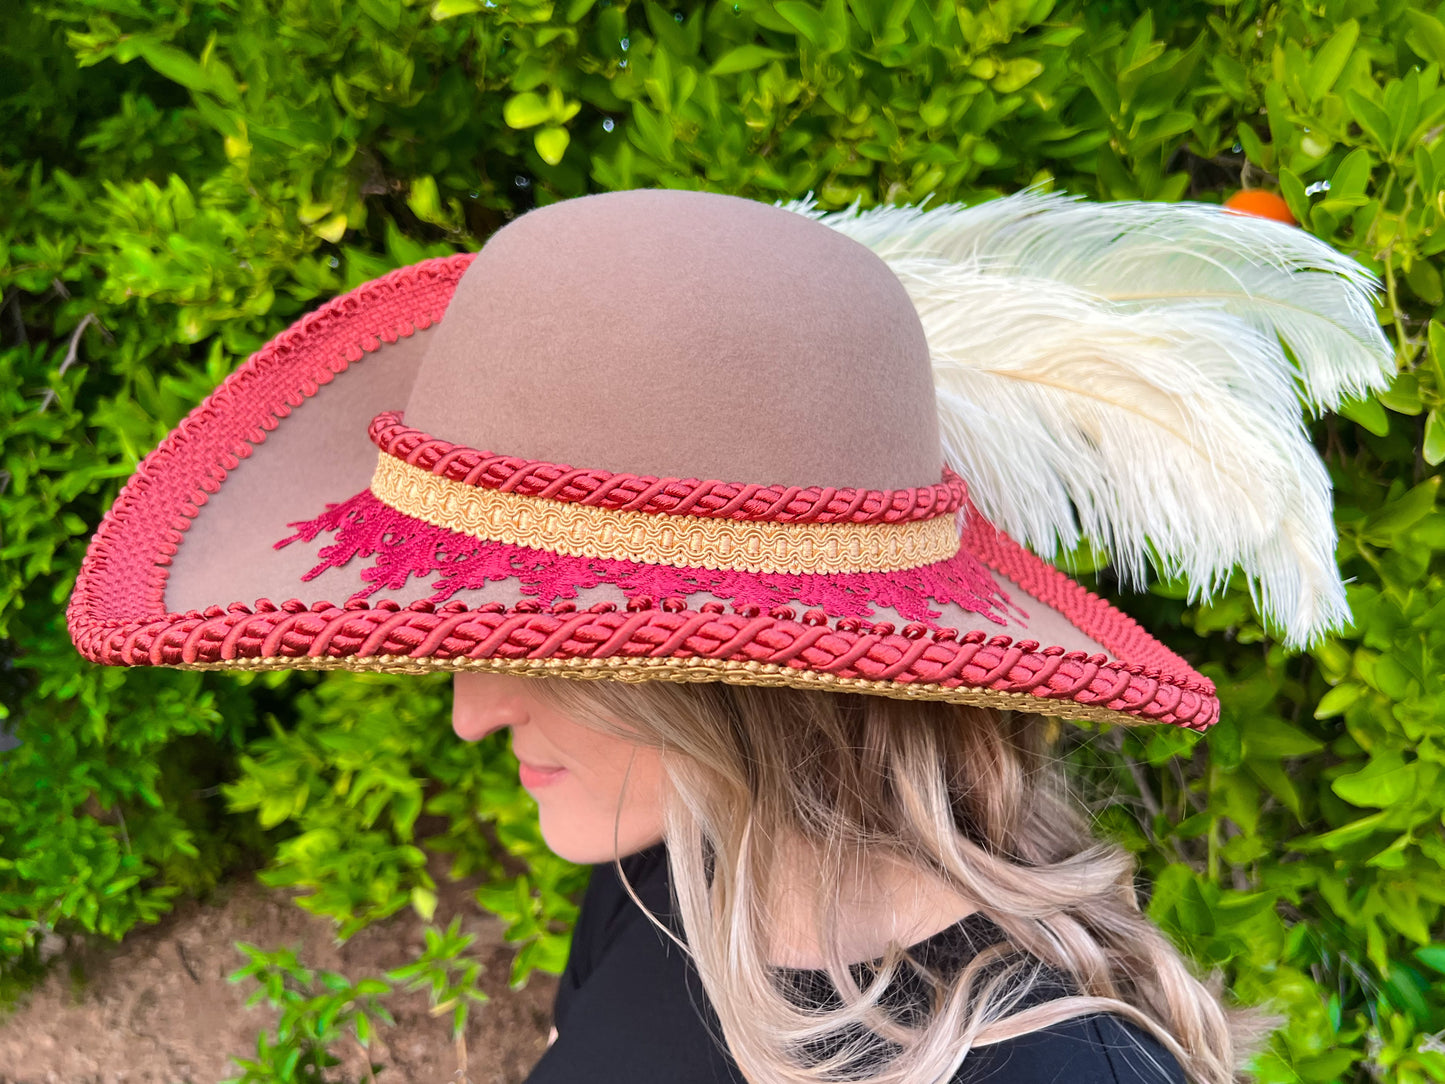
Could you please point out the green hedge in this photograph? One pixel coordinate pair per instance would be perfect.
(184, 179)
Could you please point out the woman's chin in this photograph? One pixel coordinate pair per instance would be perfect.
(580, 839)
(561, 834)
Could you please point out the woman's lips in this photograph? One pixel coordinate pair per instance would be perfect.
(533, 776)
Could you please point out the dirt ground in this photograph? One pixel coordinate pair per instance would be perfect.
(157, 1009)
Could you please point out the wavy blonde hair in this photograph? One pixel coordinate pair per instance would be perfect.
(969, 796)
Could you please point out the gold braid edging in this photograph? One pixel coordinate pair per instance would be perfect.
(638, 670)
(580, 530)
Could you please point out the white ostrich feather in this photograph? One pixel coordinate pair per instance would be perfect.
(1133, 373)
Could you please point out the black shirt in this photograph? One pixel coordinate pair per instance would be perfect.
(630, 1007)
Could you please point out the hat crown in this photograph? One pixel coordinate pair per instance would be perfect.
(684, 335)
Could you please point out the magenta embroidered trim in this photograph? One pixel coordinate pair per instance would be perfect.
(403, 547)
(673, 496)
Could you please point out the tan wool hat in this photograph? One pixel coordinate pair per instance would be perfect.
(662, 434)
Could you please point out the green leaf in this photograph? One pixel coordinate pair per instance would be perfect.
(1426, 37)
(1330, 60)
(1293, 191)
(1425, 169)
(178, 67)
(446, 9)
(1270, 736)
(1254, 148)
(223, 120)
(1017, 74)
(1338, 699)
(424, 200)
(1368, 413)
(1382, 525)
(1436, 336)
(1384, 781)
(1352, 174)
(1424, 279)
(525, 110)
(1432, 956)
(1374, 120)
(1273, 775)
(1347, 834)
(1402, 104)
(1232, 76)
(835, 25)
(744, 58)
(1433, 449)
(551, 143)
(1403, 394)
(804, 18)
(387, 13)
(425, 902)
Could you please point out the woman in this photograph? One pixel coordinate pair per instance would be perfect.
(843, 832)
(830, 842)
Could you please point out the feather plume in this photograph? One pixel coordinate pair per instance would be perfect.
(1136, 374)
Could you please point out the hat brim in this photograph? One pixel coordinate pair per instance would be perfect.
(184, 571)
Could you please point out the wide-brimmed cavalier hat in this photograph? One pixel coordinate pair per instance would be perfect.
(674, 435)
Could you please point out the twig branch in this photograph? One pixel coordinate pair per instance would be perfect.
(186, 963)
(1237, 875)
(370, 1073)
(72, 351)
(120, 821)
(1145, 793)
(461, 1073)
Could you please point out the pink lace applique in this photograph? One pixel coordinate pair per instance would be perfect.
(402, 547)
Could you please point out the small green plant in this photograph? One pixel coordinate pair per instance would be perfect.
(433, 970)
(318, 1009)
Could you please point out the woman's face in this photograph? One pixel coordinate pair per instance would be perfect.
(574, 772)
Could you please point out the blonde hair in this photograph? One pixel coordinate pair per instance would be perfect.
(969, 796)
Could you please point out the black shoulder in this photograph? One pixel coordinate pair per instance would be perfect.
(1097, 1048)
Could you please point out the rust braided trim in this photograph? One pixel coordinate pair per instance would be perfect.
(579, 530)
(123, 575)
(672, 496)
(426, 637)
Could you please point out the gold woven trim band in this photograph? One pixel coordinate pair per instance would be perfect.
(580, 530)
(685, 670)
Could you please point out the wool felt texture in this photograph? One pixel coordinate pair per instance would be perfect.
(685, 335)
(322, 451)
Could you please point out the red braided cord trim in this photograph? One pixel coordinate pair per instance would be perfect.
(124, 570)
(1096, 618)
(851, 648)
(673, 496)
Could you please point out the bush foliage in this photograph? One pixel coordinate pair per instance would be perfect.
(185, 178)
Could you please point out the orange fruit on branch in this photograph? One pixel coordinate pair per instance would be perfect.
(1261, 203)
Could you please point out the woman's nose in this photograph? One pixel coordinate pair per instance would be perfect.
(480, 707)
